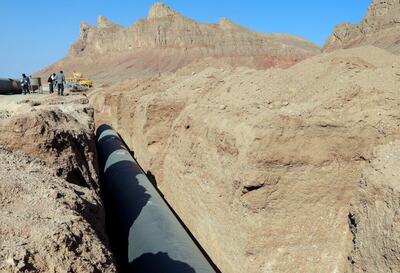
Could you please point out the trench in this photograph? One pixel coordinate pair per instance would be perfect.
(145, 233)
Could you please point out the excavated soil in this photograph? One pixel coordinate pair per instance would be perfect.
(51, 215)
(268, 166)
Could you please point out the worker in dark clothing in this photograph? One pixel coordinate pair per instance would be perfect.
(51, 80)
(25, 83)
(60, 79)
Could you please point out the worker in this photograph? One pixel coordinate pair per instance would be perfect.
(60, 79)
(25, 82)
(53, 77)
(51, 80)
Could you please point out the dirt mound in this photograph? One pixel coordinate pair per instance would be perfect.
(52, 218)
(47, 223)
(263, 165)
(57, 131)
(380, 27)
(167, 41)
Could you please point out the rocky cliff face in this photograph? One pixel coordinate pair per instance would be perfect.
(165, 28)
(380, 27)
(166, 41)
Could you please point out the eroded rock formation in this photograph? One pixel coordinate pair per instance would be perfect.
(380, 27)
(166, 41)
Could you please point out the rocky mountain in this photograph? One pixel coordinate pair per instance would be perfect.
(167, 40)
(380, 27)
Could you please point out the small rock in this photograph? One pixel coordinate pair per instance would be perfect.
(223, 107)
(11, 261)
(35, 103)
(56, 195)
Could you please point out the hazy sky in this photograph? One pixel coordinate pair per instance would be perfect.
(34, 34)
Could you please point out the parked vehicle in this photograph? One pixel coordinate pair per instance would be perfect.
(78, 79)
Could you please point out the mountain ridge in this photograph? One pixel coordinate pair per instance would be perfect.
(380, 27)
(166, 41)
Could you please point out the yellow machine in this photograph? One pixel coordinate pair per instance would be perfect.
(86, 82)
(77, 78)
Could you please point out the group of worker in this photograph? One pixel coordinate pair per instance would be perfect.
(56, 80)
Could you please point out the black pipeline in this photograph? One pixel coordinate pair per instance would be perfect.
(144, 233)
(10, 86)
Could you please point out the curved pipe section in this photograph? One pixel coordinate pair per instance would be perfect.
(144, 232)
(9, 86)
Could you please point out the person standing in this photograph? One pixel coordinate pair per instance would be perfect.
(51, 80)
(60, 79)
(25, 82)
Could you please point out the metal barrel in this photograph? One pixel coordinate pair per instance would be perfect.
(36, 83)
(144, 233)
(9, 86)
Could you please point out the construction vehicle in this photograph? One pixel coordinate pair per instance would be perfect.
(77, 79)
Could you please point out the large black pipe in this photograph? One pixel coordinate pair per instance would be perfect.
(145, 234)
(9, 86)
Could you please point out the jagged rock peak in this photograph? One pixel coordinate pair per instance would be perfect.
(379, 8)
(380, 27)
(103, 22)
(225, 23)
(85, 26)
(381, 14)
(84, 29)
(159, 10)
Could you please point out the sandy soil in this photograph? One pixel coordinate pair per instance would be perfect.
(51, 215)
(266, 166)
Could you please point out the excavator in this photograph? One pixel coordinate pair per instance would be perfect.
(78, 81)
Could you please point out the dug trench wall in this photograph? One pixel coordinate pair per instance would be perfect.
(52, 217)
(273, 171)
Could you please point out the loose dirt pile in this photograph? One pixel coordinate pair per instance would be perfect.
(51, 215)
(57, 131)
(270, 167)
